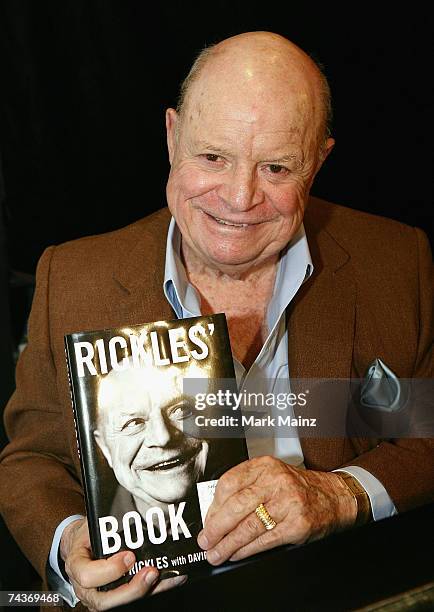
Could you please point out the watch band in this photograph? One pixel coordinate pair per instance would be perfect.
(364, 511)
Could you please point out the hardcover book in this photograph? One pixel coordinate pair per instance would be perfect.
(149, 472)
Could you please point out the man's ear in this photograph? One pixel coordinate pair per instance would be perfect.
(99, 438)
(325, 151)
(171, 127)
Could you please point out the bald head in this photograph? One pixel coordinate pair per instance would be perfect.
(245, 146)
(263, 67)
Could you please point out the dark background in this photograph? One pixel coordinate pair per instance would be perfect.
(83, 89)
(85, 85)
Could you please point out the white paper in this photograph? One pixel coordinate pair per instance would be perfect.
(205, 492)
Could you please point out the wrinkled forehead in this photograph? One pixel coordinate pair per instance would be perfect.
(141, 390)
(136, 391)
(252, 97)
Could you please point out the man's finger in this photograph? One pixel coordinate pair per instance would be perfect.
(246, 532)
(228, 516)
(169, 583)
(240, 476)
(139, 586)
(266, 541)
(90, 573)
(294, 528)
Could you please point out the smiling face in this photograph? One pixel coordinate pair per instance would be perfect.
(244, 153)
(140, 432)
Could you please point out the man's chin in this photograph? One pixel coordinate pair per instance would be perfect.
(164, 490)
(228, 262)
(162, 497)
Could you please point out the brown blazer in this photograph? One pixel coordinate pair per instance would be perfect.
(370, 296)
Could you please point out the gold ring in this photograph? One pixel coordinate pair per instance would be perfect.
(265, 518)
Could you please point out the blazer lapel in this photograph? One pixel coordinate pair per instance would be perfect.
(321, 326)
(140, 273)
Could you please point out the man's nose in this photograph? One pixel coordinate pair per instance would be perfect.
(241, 190)
(157, 430)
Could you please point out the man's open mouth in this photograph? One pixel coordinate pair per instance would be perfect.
(223, 222)
(229, 223)
(176, 461)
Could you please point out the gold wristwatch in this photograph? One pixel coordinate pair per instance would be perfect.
(364, 513)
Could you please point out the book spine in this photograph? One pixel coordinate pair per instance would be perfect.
(83, 454)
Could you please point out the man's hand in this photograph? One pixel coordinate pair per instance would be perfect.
(306, 505)
(87, 574)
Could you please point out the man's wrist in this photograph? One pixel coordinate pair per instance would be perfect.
(57, 578)
(65, 540)
(364, 511)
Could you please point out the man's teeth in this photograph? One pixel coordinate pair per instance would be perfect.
(164, 464)
(223, 222)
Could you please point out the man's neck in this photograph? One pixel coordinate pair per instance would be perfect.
(244, 298)
(249, 272)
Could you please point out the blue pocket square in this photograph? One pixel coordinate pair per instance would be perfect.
(381, 389)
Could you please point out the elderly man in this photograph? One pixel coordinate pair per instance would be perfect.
(310, 289)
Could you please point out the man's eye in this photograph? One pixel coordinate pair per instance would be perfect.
(277, 169)
(212, 157)
(180, 411)
(132, 423)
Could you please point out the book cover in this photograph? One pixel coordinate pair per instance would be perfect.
(149, 473)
